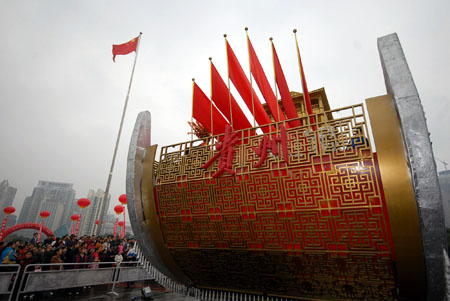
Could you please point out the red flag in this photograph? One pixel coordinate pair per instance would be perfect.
(263, 84)
(244, 88)
(201, 111)
(125, 48)
(312, 120)
(288, 103)
(221, 96)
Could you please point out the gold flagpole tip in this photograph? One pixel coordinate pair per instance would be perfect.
(295, 30)
(270, 38)
(193, 79)
(210, 58)
(246, 28)
(224, 35)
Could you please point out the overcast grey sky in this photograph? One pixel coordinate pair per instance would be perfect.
(61, 95)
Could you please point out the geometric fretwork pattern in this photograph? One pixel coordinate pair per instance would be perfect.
(311, 225)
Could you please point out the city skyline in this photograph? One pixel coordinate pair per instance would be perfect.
(29, 212)
(19, 205)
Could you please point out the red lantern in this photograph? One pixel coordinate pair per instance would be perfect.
(9, 210)
(123, 199)
(119, 209)
(84, 202)
(45, 214)
(121, 224)
(96, 222)
(74, 217)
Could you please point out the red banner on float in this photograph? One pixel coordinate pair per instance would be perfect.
(263, 84)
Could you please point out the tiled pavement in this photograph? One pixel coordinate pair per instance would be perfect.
(100, 292)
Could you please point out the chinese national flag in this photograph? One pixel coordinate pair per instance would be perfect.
(125, 48)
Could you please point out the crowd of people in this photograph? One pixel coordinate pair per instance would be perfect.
(75, 252)
(68, 249)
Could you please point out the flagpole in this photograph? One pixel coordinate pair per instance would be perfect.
(192, 111)
(212, 122)
(251, 81)
(102, 210)
(310, 113)
(229, 85)
(275, 82)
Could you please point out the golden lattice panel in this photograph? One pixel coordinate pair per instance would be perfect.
(310, 221)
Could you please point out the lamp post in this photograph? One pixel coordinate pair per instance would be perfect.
(44, 215)
(8, 210)
(118, 209)
(82, 203)
(123, 201)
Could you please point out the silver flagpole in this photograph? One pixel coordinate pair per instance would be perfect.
(102, 210)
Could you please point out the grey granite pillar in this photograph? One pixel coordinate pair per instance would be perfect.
(400, 84)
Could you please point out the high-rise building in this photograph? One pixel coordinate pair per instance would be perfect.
(56, 209)
(444, 183)
(25, 211)
(108, 225)
(50, 191)
(91, 213)
(12, 221)
(7, 195)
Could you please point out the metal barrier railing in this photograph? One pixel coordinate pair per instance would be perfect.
(36, 278)
(39, 277)
(8, 277)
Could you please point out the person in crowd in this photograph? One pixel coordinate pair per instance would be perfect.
(57, 259)
(49, 239)
(28, 259)
(131, 256)
(36, 255)
(81, 259)
(34, 239)
(2, 246)
(47, 256)
(7, 255)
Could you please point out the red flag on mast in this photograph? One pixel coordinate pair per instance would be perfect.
(201, 111)
(222, 97)
(263, 84)
(125, 48)
(312, 120)
(288, 103)
(244, 88)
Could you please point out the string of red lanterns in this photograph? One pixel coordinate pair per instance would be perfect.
(118, 209)
(82, 203)
(8, 210)
(123, 201)
(74, 218)
(44, 214)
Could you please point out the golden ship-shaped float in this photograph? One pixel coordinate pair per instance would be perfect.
(303, 210)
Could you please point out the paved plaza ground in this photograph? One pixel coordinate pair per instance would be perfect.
(100, 292)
